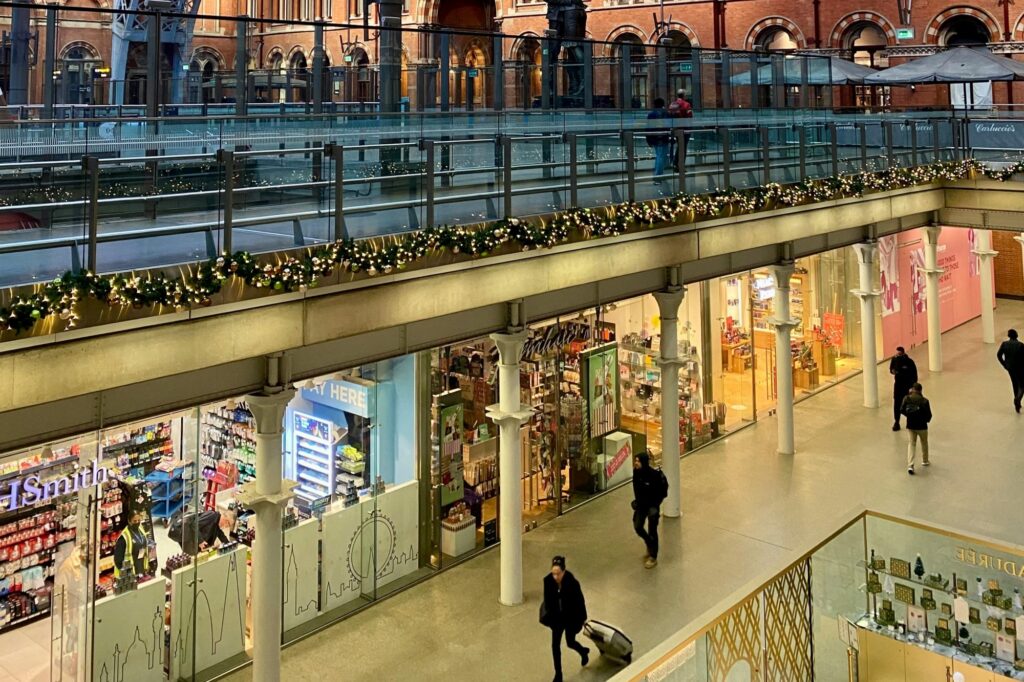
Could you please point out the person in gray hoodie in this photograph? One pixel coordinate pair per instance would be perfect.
(918, 412)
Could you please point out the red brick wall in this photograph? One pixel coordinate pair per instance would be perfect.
(1008, 265)
(605, 21)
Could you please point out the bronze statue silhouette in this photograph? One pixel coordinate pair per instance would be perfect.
(567, 24)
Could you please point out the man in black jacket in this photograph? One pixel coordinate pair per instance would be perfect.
(649, 490)
(564, 610)
(918, 412)
(1011, 357)
(904, 373)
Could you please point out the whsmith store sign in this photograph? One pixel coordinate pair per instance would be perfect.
(30, 490)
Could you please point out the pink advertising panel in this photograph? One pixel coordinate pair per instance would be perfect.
(904, 301)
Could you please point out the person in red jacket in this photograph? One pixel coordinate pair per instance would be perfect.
(680, 108)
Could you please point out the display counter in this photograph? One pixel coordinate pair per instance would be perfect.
(615, 464)
(884, 655)
(458, 539)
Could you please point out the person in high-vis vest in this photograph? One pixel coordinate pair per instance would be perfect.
(132, 545)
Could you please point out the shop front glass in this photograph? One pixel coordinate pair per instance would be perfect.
(825, 345)
(593, 383)
(125, 554)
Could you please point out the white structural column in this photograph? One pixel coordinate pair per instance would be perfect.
(1020, 240)
(784, 325)
(932, 273)
(510, 416)
(267, 495)
(867, 254)
(983, 250)
(668, 310)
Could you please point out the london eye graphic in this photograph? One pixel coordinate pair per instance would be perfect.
(371, 551)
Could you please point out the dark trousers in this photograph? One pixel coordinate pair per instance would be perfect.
(556, 646)
(1017, 379)
(898, 394)
(650, 536)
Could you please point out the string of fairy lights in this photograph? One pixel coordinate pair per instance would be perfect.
(198, 284)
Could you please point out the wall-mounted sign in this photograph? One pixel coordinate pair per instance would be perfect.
(904, 34)
(346, 396)
(450, 469)
(31, 490)
(602, 389)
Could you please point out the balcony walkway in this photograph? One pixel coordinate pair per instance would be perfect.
(397, 176)
(745, 509)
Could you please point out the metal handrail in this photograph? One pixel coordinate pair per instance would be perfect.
(753, 161)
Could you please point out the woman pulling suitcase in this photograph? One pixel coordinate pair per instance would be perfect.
(564, 610)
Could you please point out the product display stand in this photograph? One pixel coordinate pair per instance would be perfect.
(168, 491)
(314, 458)
(458, 538)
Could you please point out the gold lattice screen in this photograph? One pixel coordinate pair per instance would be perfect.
(771, 632)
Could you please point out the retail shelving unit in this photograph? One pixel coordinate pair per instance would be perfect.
(314, 457)
(229, 435)
(28, 545)
(138, 451)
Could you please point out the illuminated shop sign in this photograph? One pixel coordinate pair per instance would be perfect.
(27, 491)
(342, 395)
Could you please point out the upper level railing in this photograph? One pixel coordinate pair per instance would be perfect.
(232, 65)
(114, 196)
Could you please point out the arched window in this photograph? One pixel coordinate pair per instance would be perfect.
(299, 70)
(629, 45)
(77, 83)
(678, 46)
(963, 29)
(775, 39)
(528, 57)
(865, 41)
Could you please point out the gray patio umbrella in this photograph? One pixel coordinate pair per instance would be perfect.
(834, 71)
(958, 65)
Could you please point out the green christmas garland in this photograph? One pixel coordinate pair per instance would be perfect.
(384, 255)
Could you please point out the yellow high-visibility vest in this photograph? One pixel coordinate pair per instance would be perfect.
(128, 545)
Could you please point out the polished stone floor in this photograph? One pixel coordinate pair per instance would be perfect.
(745, 510)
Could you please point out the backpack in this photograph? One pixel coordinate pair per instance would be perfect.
(662, 486)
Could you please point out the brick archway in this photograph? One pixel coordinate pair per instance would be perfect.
(623, 30)
(685, 29)
(1018, 28)
(769, 23)
(931, 35)
(883, 24)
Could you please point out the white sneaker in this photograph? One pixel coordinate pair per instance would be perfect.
(926, 464)
(910, 469)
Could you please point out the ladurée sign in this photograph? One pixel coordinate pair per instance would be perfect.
(26, 491)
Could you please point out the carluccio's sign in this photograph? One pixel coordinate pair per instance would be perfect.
(37, 488)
